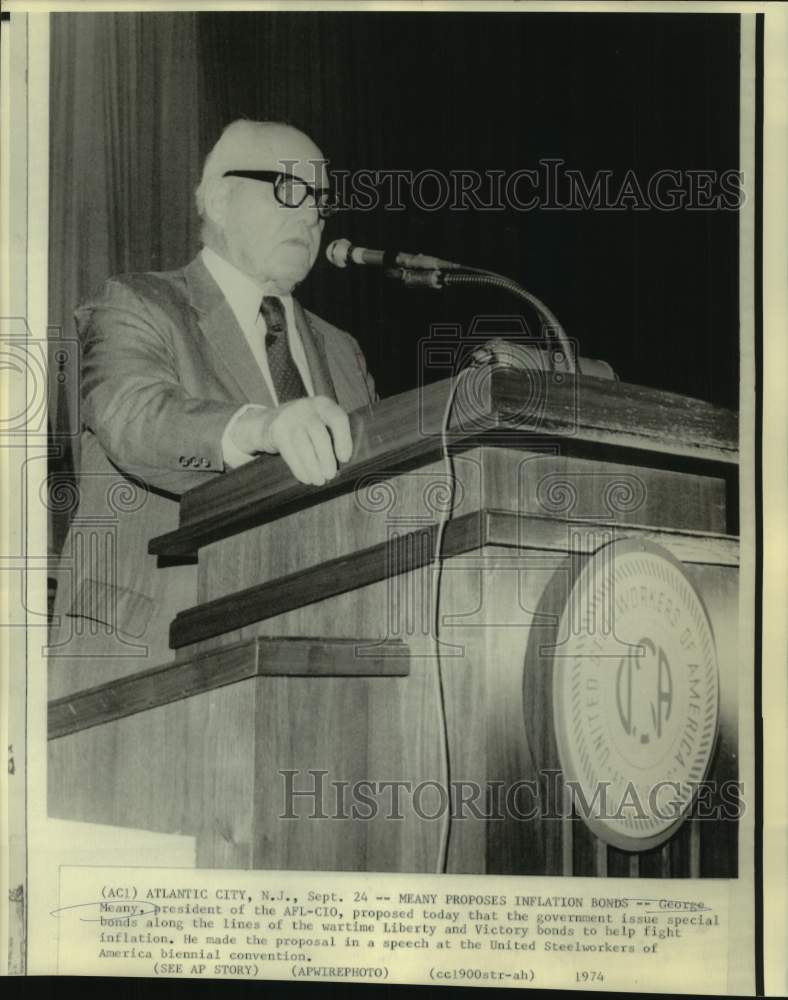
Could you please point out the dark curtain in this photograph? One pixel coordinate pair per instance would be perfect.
(124, 162)
(655, 293)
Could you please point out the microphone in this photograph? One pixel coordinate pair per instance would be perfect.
(341, 253)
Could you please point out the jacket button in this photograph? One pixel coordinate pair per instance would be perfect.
(204, 463)
(183, 460)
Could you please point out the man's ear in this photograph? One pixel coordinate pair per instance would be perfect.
(215, 200)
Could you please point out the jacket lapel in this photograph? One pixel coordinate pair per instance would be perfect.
(229, 345)
(315, 351)
(233, 356)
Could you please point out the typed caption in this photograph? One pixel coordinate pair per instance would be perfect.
(276, 925)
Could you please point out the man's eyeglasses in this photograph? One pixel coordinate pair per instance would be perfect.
(290, 190)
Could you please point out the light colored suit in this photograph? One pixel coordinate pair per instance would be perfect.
(165, 365)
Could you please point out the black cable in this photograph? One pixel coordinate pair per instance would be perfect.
(437, 561)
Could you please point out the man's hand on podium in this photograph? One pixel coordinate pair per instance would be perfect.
(311, 434)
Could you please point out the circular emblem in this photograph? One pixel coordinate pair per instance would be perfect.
(635, 694)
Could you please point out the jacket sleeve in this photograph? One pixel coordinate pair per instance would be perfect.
(133, 400)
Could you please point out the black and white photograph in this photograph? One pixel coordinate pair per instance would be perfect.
(397, 475)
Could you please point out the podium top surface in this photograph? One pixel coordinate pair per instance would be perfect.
(500, 407)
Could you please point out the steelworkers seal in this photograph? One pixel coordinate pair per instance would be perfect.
(635, 694)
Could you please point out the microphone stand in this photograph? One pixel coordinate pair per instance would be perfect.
(471, 277)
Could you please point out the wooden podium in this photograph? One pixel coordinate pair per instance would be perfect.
(306, 720)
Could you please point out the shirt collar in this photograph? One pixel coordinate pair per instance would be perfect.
(242, 293)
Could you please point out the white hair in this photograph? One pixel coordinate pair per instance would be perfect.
(237, 148)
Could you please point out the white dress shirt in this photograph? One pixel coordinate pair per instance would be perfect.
(244, 297)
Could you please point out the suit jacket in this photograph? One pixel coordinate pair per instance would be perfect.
(164, 367)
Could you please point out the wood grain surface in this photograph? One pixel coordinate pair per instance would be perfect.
(291, 657)
(413, 550)
(405, 431)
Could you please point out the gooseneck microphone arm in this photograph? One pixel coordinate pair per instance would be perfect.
(423, 271)
(473, 277)
(490, 279)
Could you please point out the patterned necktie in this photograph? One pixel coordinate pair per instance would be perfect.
(284, 374)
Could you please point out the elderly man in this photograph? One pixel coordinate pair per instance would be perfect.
(188, 373)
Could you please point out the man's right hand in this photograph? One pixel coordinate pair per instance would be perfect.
(311, 434)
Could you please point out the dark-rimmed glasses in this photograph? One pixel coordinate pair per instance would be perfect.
(290, 190)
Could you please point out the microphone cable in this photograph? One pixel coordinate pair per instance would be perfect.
(437, 565)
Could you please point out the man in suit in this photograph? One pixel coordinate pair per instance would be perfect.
(187, 374)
